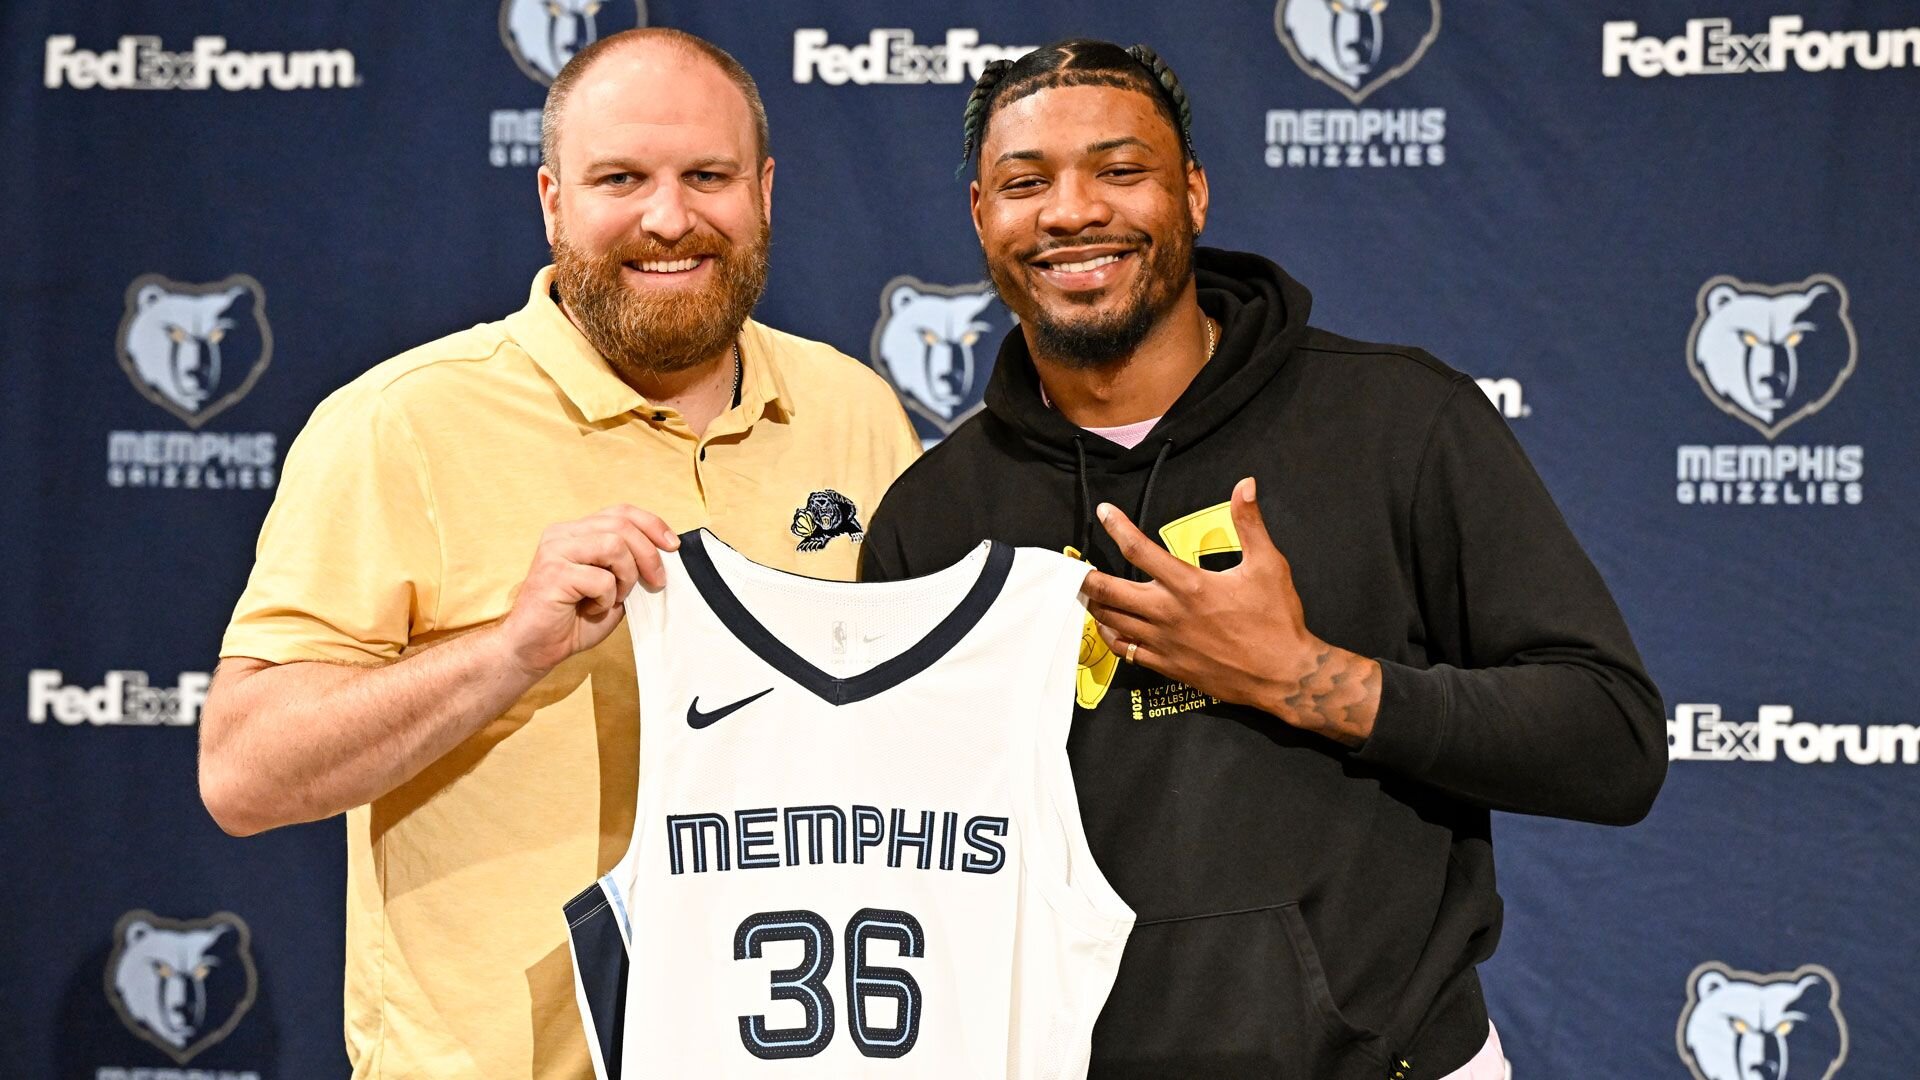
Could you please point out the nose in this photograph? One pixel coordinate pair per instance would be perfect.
(1073, 206)
(667, 217)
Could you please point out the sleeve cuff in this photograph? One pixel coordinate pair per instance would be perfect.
(277, 644)
(1412, 722)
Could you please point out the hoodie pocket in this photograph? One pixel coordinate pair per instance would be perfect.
(1232, 994)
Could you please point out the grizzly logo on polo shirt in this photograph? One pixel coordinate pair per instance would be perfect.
(826, 515)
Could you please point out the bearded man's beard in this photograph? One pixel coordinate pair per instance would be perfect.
(657, 332)
(1075, 336)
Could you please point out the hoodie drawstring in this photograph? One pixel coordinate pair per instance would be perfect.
(1083, 501)
(1146, 497)
(1083, 504)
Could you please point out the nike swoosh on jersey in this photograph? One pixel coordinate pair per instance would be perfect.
(697, 719)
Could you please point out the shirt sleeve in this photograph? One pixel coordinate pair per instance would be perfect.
(1537, 701)
(348, 563)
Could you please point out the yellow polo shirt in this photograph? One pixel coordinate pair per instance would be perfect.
(409, 509)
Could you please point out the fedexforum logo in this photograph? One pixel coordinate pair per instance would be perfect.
(1710, 47)
(1703, 733)
(893, 57)
(125, 699)
(139, 62)
(1770, 356)
(1356, 47)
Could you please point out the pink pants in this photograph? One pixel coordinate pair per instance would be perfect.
(1488, 1064)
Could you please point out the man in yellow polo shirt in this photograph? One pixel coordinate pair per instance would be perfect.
(394, 655)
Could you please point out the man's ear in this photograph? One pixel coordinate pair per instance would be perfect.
(1199, 198)
(766, 189)
(548, 181)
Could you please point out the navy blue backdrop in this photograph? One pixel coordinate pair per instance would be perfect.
(1676, 242)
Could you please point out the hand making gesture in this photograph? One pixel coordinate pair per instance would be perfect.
(1240, 635)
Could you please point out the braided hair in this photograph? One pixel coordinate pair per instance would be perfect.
(1079, 62)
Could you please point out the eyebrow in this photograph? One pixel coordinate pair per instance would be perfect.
(1100, 147)
(712, 162)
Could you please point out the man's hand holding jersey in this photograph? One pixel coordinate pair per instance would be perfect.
(288, 742)
(574, 592)
(1240, 634)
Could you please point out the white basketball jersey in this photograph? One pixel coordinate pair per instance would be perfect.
(857, 850)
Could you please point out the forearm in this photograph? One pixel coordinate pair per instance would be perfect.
(1536, 701)
(282, 744)
(1569, 737)
(1328, 691)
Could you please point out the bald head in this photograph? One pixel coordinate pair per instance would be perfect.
(663, 62)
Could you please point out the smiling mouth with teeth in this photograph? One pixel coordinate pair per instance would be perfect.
(1081, 267)
(674, 266)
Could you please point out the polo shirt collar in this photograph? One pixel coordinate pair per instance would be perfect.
(590, 383)
(763, 383)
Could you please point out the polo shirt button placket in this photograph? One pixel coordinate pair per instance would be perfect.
(699, 469)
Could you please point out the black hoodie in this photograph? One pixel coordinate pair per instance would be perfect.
(1306, 911)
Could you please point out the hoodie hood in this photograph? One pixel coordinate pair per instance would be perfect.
(1262, 314)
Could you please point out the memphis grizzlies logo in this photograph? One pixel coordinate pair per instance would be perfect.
(181, 985)
(827, 514)
(1771, 355)
(191, 349)
(1741, 1026)
(936, 344)
(1356, 46)
(543, 35)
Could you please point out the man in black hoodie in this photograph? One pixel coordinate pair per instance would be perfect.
(1384, 633)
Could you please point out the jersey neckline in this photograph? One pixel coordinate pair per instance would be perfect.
(834, 690)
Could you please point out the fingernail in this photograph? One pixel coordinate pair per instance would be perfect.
(1102, 511)
(1247, 492)
(673, 542)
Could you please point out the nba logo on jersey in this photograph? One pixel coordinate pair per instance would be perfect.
(857, 850)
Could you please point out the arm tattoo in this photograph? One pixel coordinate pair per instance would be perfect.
(1338, 696)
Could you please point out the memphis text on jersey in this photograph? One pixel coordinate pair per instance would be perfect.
(769, 837)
